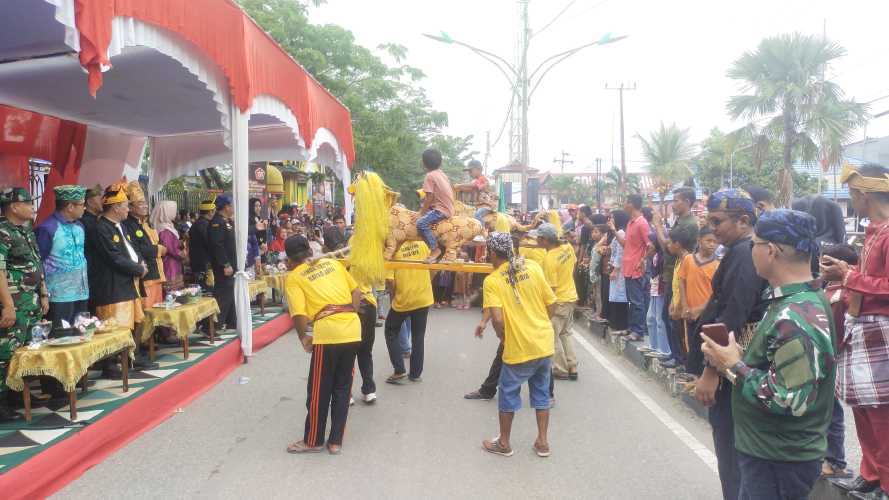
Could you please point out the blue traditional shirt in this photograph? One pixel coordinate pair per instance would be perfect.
(61, 247)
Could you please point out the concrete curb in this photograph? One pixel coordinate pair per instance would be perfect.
(668, 379)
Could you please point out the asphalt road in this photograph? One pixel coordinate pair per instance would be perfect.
(612, 436)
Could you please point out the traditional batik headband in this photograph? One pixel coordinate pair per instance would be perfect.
(788, 227)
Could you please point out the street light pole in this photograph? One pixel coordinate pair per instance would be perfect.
(522, 86)
(731, 165)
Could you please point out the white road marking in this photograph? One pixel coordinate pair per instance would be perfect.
(669, 422)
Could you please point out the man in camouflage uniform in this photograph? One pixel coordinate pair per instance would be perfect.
(23, 296)
(782, 401)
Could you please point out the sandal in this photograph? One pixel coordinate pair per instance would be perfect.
(334, 449)
(494, 446)
(542, 451)
(829, 470)
(396, 378)
(301, 447)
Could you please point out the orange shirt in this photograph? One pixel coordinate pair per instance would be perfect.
(698, 279)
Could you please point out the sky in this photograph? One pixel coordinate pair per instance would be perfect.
(676, 54)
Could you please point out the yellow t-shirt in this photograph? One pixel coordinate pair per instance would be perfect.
(528, 332)
(413, 288)
(310, 288)
(535, 254)
(675, 285)
(558, 267)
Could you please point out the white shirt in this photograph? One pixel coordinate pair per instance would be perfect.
(126, 243)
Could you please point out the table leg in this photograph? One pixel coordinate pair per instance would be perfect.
(72, 405)
(125, 369)
(26, 395)
(262, 303)
(211, 328)
(185, 347)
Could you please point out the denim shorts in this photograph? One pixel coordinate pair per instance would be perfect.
(536, 372)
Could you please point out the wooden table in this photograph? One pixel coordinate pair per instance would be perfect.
(257, 290)
(182, 319)
(69, 364)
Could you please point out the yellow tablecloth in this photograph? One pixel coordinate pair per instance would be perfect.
(66, 364)
(183, 319)
(257, 287)
(276, 281)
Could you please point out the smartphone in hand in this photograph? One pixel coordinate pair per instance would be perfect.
(717, 332)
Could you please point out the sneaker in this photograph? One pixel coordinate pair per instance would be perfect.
(477, 395)
(351, 401)
(370, 398)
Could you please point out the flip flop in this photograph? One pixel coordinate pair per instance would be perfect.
(496, 448)
(542, 452)
(396, 378)
(301, 447)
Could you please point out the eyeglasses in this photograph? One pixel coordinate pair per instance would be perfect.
(715, 221)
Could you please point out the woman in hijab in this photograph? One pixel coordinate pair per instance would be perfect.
(617, 291)
(163, 220)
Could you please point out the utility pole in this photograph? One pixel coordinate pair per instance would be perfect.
(598, 185)
(487, 151)
(563, 161)
(524, 155)
(523, 83)
(623, 152)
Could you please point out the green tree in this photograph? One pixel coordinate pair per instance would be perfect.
(711, 165)
(783, 84)
(392, 118)
(668, 153)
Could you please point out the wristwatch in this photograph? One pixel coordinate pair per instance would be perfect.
(735, 372)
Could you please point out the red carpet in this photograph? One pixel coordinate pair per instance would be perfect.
(64, 462)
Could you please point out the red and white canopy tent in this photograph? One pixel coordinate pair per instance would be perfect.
(198, 79)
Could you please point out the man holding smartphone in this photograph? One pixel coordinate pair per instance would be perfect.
(782, 399)
(737, 302)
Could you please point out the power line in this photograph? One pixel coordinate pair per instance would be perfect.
(560, 14)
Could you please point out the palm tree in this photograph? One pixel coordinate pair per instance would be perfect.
(611, 183)
(784, 84)
(669, 154)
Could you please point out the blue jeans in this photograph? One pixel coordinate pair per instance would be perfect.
(537, 373)
(404, 336)
(763, 479)
(424, 227)
(836, 450)
(657, 330)
(636, 296)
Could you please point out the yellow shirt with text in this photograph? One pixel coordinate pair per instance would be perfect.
(558, 267)
(528, 332)
(413, 288)
(535, 254)
(310, 288)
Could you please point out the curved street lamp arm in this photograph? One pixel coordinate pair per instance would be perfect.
(489, 56)
(565, 56)
(571, 52)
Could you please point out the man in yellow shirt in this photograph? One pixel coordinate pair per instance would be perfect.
(558, 267)
(325, 293)
(411, 292)
(520, 302)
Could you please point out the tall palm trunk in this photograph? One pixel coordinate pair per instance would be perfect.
(785, 177)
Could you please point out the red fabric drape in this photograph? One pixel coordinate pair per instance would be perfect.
(13, 170)
(66, 161)
(253, 63)
(28, 134)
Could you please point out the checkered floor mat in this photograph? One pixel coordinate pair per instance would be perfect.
(51, 423)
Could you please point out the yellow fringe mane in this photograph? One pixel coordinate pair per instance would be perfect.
(553, 218)
(371, 229)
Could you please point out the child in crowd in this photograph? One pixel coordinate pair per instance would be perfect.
(834, 464)
(680, 247)
(696, 274)
(597, 236)
(659, 344)
(617, 291)
(438, 204)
